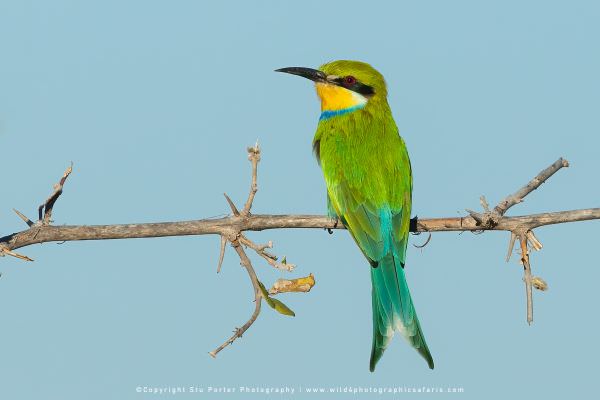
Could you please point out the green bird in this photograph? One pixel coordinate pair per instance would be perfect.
(369, 188)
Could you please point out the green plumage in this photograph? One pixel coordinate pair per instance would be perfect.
(369, 185)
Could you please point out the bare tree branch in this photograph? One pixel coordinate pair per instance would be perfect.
(263, 222)
(218, 226)
(231, 229)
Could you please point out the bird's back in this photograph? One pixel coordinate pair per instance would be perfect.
(369, 185)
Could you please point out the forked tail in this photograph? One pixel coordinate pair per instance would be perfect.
(393, 310)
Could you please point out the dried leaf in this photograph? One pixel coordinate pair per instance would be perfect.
(539, 283)
(301, 285)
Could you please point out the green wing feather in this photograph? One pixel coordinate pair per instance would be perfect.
(385, 248)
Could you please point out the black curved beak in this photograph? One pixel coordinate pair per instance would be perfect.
(313, 74)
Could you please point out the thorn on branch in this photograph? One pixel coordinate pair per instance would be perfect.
(535, 243)
(476, 216)
(234, 209)
(5, 251)
(221, 253)
(23, 217)
(511, 246)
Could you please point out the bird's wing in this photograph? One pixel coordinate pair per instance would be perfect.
(381, 233)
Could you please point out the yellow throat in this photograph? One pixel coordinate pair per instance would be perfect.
(336, 98)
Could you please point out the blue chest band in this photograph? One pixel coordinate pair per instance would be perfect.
(329, 114)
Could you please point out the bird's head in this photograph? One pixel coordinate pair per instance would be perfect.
(344, 86)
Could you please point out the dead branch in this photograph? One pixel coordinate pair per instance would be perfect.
(238, 332)
(218, 226)
(231, 230)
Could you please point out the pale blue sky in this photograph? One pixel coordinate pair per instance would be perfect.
(155, 103)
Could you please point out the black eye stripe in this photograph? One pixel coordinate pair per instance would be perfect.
(363, 89)
(357, 87)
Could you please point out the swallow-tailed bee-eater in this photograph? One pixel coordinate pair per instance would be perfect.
(369, 188)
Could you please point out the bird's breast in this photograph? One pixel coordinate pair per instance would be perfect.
(368, 156)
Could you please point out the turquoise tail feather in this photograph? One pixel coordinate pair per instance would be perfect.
(393, 310)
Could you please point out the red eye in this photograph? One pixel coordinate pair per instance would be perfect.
(349, 80)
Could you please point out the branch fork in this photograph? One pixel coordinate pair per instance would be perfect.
(44, 215)
(239, 241)
(231, 229)
(490, 219)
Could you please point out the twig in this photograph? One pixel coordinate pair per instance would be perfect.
(49, 203)
(527, 277)
(246, 263)
(4, 251)
(238, 240)
(491, 219)
(519, 195)
(271, 259)
(254, 157)
(535, 243)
